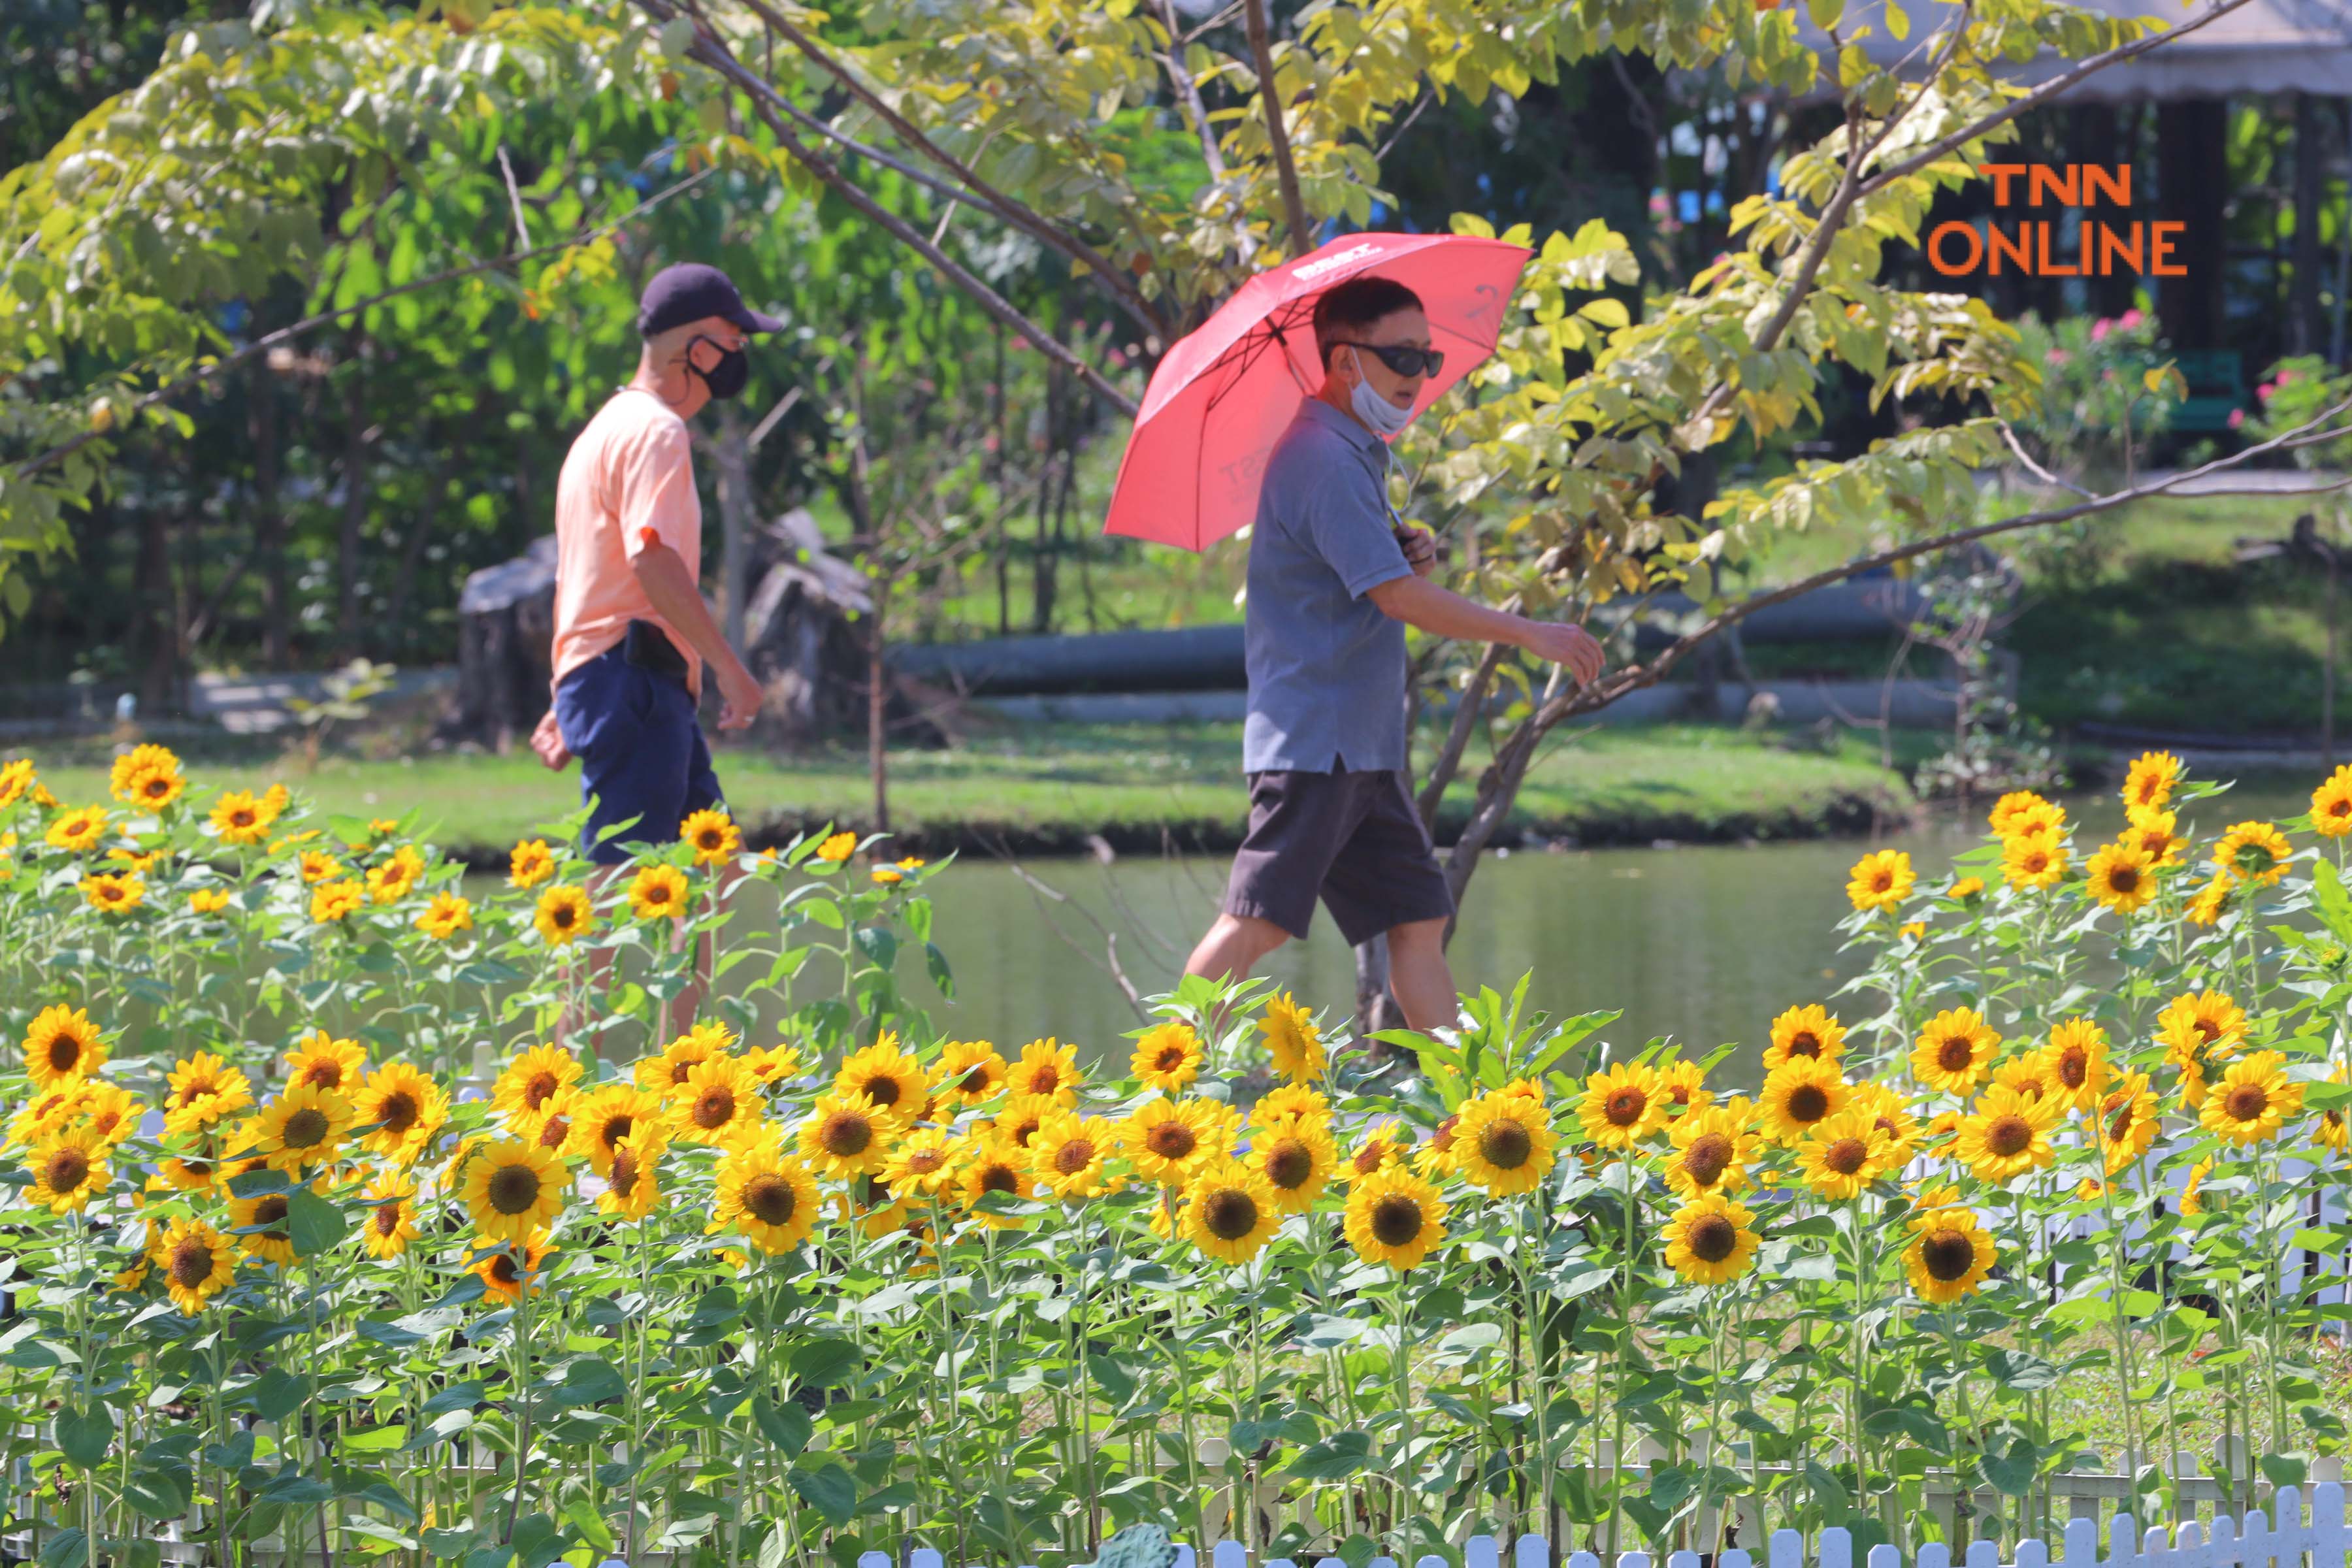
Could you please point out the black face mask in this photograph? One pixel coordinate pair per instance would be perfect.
(729, 377)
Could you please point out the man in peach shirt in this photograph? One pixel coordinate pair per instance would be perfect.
(633, 635)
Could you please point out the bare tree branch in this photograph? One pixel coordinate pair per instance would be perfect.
(1261, 42)
(1188, 92)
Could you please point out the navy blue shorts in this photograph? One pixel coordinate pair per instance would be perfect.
(641, 752)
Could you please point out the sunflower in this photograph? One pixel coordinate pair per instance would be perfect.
(1621, 1106)
(2036, 862)
(512, 1191)
(46, 1113)
(1071, 1154)
(1167, 1058)
(207, 900)
(1292, 1039)
(1229, 1213)
(2008, 1134)
(713, 838)
(62, 1045)
(238, 817)
(2330, 1130)
(201, 1089)
(446, 916)
(2028, 1073)
(1394, 1217)
(666, 1074)
(391, 1224)
(78, 829)
(260, 1224)
(969, 1073)
(1708, 1241)
(1845, 1153)
(1169, 1140)
(530, 1084)
(403, 1108)
(1047, 1070)
(530, 863)
(2076, 1058)
(552, 1127)
(565, 916)
(1504, 1145)
(2128, 1121)
(333, 901)
(2213, 901)
(16, 778)
(773, 1063)
(1017, 1122)
(1810, 1031)
(2255, 853)
(2192, 1202)
(1380, 1149)
(658, 892)
(2331, 805)
(845, 1135)
(1954, 1051)
(2252, 1099)
(1798, 1096)
(1886, 1111)
(108, 1109)
(631, 1179)
(1880, 880)
(767, 1197)
(2196, 1031)
(68, 1170)
(322, 1061)
(2043, 820)
(505, 1277)
(1949, 1254)
(1711, 1149)
(2121, 877)
(719, 1106)
(1682, 1084)
(923, 1163)
(1295, 1156)
(894, 1082)
(127, 781)
(992, 1165)
(303, 1126)
(113, 893)
(316, 865)
(837, 847)
(395, 879)
(2152, 831)
(2013, 809)
(1289, 1099)
(2150, 779)
(197, 1262)
(1966, 891)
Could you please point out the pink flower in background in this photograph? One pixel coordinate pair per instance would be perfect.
(2237, 417)
(2284, 377)
(2264, 390)
(2059, 356)
(1657, 203)
(2130, 318)
(2100, 328)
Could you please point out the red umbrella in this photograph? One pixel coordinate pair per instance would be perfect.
(1223, 397)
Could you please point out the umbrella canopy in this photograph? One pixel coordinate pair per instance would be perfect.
(1222, 397)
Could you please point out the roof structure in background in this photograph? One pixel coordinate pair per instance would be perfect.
(2264, 47)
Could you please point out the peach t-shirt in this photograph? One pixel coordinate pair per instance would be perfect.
(627, 483)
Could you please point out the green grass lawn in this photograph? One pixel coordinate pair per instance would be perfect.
(1055, 787)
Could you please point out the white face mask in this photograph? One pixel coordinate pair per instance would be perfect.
(1383, 418)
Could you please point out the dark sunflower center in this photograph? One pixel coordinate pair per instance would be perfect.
(682, 1069)
(306, 1128)
(616, 1128)
(398, 1112)
(1506, 1146)
(845, 1134)
(513, 1189)
(1707, 1157)
(624, 1178)
(1170, 1058)
(536, 1092)
(2206, 1030)
(1170, 1140)
(714, 1107)
(1229, 1213)
(1846, 1156)
(2009, 1136)
(387, 1219)
(192, 1264)
(326, 1075)
(1882, 881)
(882, 1088)
(2119, 1124)
(927, 1161)
(2074, 1067)
(1368, 1158)
(66, 1170)
(1023, 1131)
(240, 818)
(1000, 1178)
(504, 1271)
(2340, 806)
(1624, 1108)
(708, 839)
(1712, 1238)
(658, 893)
(555, 1132)
(1047, 1079)
(769, 1199)
(1947, 1254)
(2124, 878)
(2246, 1102)
(1074, 1156)
(269, 1210)
(973, 1080)
(1396, 1220)
(563, 914)
(1806, 1044)
(1808, 1102)
(64, 1052)
(1956, 1055)
(1290, 1164)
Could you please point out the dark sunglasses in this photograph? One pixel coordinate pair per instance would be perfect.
(1404, 358)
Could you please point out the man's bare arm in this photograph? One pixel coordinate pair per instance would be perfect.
(678, 600)
(1441, 612)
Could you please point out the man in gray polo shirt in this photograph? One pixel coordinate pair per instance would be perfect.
(1334, 579)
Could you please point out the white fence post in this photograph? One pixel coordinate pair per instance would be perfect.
(2327, 1532)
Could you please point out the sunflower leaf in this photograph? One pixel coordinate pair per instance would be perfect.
(315, 1224)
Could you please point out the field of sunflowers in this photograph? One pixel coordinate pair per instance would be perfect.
(355, 1213)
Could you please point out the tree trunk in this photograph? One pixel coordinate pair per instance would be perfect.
(1375, 1008)
(358, 450)
(1003, 511)
(2192, 189)
(877, 708)
(2306, 334)
(737, 517)
(269, 526)
(158, 641)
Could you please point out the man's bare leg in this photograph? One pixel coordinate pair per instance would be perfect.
(1419, 975)
(1234, 944)
(688, 1002)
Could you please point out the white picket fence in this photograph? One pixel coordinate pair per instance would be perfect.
(2282, 1538)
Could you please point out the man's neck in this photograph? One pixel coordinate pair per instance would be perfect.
(675, 389)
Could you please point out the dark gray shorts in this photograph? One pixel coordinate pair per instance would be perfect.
(1354, 837)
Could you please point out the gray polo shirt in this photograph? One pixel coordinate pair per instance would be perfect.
(1327, 668)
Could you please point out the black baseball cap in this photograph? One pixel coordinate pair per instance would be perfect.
(691, 291)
